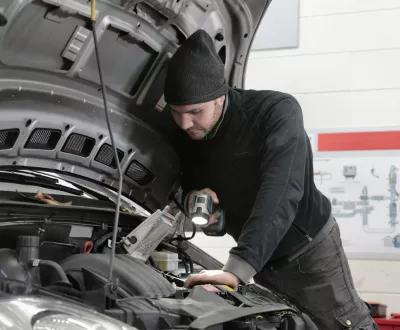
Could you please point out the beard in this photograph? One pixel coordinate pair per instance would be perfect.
(201, 133)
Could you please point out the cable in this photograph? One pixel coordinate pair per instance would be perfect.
(103, 91)
(183, 237)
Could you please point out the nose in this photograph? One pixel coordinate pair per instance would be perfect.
(186, 121)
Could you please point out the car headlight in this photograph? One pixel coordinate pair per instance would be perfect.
(66, 322)
(43, 313)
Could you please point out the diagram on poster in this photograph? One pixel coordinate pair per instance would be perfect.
(364, 193)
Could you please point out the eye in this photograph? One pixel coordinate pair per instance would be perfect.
(194, 111)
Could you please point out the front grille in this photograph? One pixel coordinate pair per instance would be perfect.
(138, 173)
(43, 138)
(8, 137)
(106, 155)
(78, 144)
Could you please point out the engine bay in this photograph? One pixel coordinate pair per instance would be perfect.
(54, 254)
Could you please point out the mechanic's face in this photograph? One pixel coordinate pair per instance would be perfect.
(197, 120)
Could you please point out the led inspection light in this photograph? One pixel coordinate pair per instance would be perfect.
(202, 208)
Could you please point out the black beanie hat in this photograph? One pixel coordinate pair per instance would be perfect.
(195, 72)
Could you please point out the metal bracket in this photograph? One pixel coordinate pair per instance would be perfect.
(145, 238)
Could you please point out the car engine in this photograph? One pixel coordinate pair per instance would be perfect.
(71, 262)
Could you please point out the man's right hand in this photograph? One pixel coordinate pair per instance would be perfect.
(216, 277)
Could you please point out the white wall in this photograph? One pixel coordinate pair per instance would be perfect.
(346, 66)
(345, 73)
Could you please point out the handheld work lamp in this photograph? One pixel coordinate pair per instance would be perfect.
(202, 208)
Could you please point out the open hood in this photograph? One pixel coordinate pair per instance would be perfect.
(50, 103)
(58, 175)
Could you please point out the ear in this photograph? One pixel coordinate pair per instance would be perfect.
(220, 101)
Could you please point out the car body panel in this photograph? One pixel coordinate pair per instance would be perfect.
(49, 80)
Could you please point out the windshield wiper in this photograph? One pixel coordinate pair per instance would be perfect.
(30, 178)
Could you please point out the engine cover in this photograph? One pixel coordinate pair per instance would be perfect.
(135, 278)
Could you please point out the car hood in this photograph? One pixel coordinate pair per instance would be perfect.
(50, 100)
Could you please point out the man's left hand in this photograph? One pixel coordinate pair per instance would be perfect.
(213, 277)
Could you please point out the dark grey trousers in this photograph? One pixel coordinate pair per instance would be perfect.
(318, 280)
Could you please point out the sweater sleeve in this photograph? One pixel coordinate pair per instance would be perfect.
(283, 159)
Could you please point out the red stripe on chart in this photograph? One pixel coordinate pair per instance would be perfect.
(384, 140)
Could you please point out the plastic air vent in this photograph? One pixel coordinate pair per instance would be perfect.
(8, 138)
(43, 138)
(78, 144)
(106, 155)
(138, 173)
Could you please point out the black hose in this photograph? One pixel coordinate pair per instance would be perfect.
(55, 266)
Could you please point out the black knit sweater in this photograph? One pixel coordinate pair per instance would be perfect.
(260, 165)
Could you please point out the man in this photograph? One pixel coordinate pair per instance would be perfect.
(249, 151)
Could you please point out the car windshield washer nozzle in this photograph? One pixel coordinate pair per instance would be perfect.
(202, 208)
